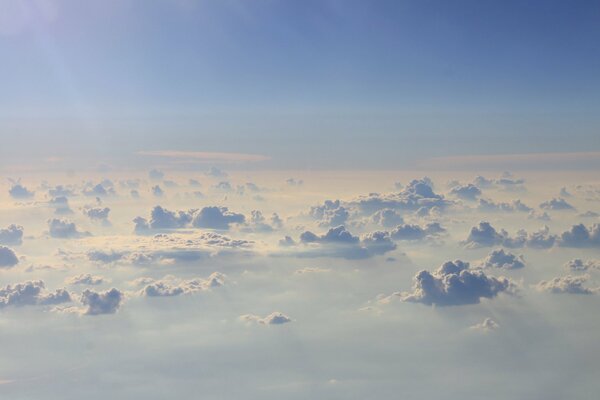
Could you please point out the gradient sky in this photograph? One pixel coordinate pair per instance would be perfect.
(385, 83)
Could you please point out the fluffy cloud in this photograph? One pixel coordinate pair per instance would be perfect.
(217, 218)
(331, 213)
(581, 236)
(466, 192)
(171, 286)
(61, 205)
(62, 229)
(97, 213)
(502, 259)
(485, 235)
(566, 284)
(98, 303)
(8, 258)
(18, 191)
(416, 195)
(556, 204)
(31, 293)
(387, 218)
(514, 206)
(104, 257)
(415, 232)
(275, 318)
(578, 264)
(12, 236)
(85, 279)
(486, 325)
(99, 190)
(161, 218)
(455, 284)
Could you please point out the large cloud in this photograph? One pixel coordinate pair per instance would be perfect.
(455, 284)
(12, 235)
(217, 218)
(581, 236)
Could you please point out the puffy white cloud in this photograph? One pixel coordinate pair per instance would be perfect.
(556, 204)
(275, 318)
(31, 293)
(85, 279)
(455, 284)
(589, 214)
(8, 258)
(294, 182)
(216, 172)
(217, 218)
(107, 302)
(12, 235)
(566, 284)
(63, 229)
(60, 191)
(331, 213)
(502, 259)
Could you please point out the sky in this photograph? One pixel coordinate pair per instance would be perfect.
(266, 199)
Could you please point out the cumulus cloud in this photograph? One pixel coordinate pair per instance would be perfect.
(581, 236)
(589, 214)
(294, 182)
(99, 190)
(578, 264)
(161, 218)
(171, 286)
(60, 191)
(485, 235)
(502, 259)
(8, 258)
(415, 232)
(31, 293)
(156, 175)
(12, 235)
(104, 257)
(18, 191)
(455, 284)
(466, 192)
(566, 284)
(61, 205)
(85, 279)
(556, 204)
(217, 218)
(97, 303)
(486, 325)
(97, 213)
(62, 229)
(331, 213)
(275, 318)
(387, 218)
(514, 206)
(418, 194)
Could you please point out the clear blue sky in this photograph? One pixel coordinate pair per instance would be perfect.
(230, 75)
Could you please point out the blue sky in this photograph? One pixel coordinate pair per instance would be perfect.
(475, 77)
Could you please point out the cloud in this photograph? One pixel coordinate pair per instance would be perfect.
(104, 257)
(454, 284)
(556, 204)
(417, 194)
(566, 284)
(331, 213)
(61, 205)
(294, 182)
(415, 232)
(466, 192)
(98, 303)
(8, 258)
(157, 191)
(581, 236)
(18, 191)
(502, 259)
(171, 286)
(97, 213)
(85, 279)
(62, 229)
(156, 175)
(12, 235)
(31, 293)
(486, 325)
(100, 190)
(161, 218)
(485, 235)
(589, 214)
(578, 264)
(60, 191)
(217, 218)
(514, 206)
(275, 318)
(387, 218)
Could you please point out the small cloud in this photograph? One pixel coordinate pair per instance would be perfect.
(486, 325)
(275, 318)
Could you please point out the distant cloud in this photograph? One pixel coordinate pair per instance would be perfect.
(217, 218)
(581, 236)
(85, 279)
(466, 192)
(275, 318)
(62, 229)
(97, 213)
(156, 175)
(486, 325)
(387, 218)
(485, 235)
(454, 284)
(18, 191)
(579, 265)
(502, 259)
(12, 235)
(556, 204)
(171, 286)
(31, 293)
(331, 213)
(98, 303)
(415, 232)
(566, 284)
(514, 206)
(8, 258)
